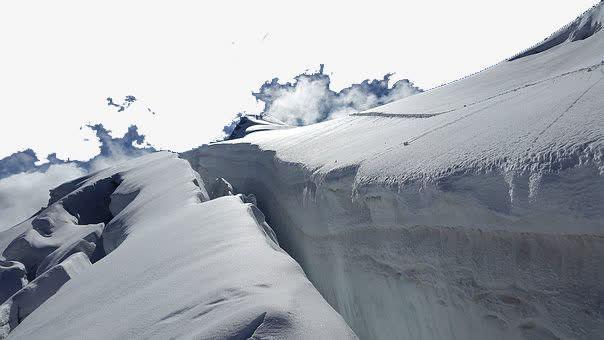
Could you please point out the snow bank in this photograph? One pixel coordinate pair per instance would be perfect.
(470, 211)
(179, 265)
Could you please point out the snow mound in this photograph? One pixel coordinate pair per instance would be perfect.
(179, 265)
(248, 124)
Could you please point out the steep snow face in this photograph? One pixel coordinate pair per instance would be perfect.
(428, 262)
(177, 265)
(471, 211)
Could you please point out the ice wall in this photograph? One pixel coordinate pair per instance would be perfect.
(430, 261)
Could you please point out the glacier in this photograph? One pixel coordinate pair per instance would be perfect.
(470, 211)
(473, 210)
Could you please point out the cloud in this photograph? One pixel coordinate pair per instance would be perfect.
(309, 98)
(21, 161)
(128, 100)
(24, 186)
(23, 194)
(25, 161)
(118, 147)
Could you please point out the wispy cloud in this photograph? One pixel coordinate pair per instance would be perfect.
(126, 103)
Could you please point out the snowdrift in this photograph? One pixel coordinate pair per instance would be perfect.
(169, 263)
(471, 211)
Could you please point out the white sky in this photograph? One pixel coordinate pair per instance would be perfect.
(195, 63)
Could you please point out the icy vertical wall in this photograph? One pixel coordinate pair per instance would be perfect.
(432, 261)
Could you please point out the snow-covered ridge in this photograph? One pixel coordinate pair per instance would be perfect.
(169, 263)
(471, 211)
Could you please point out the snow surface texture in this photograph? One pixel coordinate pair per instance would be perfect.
(471, 211)
(174, 264)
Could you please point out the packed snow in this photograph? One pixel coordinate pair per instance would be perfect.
(471, 211)
(169, 263)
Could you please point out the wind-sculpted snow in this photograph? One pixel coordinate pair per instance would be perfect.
(74, 223)
(176, 264)
(30, 297)
(471, 211)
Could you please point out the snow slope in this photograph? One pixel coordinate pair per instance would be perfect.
(471, 211)
(169, 263)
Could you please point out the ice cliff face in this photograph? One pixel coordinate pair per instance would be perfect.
(471, 211)
(170, 261)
